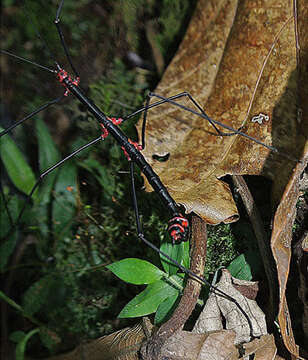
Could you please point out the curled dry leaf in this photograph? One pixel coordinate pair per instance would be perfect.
(262, 349)
(238, 61)
(281, 248)
(286, 211)
(213, 346)
(120, 345)
(219, 310)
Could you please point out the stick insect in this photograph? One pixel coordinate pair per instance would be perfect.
(178, 224)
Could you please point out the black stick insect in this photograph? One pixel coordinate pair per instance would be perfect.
(178, 227)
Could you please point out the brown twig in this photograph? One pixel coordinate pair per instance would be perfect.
(152, 349)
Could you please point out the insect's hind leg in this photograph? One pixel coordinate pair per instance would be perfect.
(138, 222)
(204, 114)
(171, 100)
(29, 116)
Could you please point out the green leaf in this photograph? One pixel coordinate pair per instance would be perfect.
(16, 166)
(186, 255)
(48, 153)
(21, 346)
(164, 310)
(149, 299)
(48, 156)
(175, 252)
(240, 269)
(65, 201)
(136, 271)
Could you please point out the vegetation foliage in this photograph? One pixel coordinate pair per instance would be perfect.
(80, 221)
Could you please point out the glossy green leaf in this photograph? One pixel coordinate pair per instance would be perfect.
(15, 164)
(175, 252)
(149, 299)
(178, 252)
(164, 310)
(48, 156)
(186, 255)
(240, 269)
(136, 271)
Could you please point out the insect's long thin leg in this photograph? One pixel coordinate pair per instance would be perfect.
(38, 34)
(171, 99)
(174, 262)
(60, 32)
(203, 114)
(27, 60)
(134, 196)
(46, 172)
(145, 113)
(41, 108)
(234, 131)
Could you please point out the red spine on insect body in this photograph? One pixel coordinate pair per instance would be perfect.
(62, 75)
(115, 121)
(105, 133)
(137, 146)
(178, 228)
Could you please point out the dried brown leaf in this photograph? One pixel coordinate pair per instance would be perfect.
(263, 348)
(285, 214)
(120, 345)
(281, 248)
(238, 60)
(217, 308)
(212, 346)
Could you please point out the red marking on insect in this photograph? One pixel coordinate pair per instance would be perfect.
(70, 188)
(62, 75)
(137, 146)
(115, 121)
(178, 228)
(105, 132)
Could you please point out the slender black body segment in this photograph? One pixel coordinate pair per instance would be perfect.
(178, 225)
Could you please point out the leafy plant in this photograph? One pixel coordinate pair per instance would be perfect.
(80, 218)
(162, 287)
